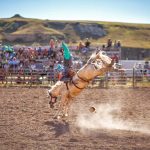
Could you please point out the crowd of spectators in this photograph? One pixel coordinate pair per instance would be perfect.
(113, 49)
(110, 46)
(26, 57)
(84, 47)
(50, 58)
(47, 58)
(142, 69)
(16, 58)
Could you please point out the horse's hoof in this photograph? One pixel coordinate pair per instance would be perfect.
(57, 117)
(66, 115)
(51, 106)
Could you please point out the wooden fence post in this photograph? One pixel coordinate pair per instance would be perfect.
(106, 79)
(133, 78)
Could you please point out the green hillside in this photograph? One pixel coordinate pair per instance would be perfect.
(26, 31)
(131, 35)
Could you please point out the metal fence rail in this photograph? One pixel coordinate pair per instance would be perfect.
(44, 78)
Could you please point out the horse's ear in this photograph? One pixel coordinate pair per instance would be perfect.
(99, 50)
(112, 62)
(95, 53)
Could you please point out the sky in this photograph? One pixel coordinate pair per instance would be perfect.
(132, 11)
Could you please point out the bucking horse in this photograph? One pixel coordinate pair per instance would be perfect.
(98, 64)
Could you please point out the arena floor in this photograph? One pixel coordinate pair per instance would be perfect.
(121, 120)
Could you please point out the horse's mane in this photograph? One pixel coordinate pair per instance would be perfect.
(93, 55)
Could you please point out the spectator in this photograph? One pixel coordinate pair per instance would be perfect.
(86, 47)
(103, 47)
(139, 67)
(115, 45)
(87, 43)
(39, 51)
(59, 44)
(115, 58)
(109, 44)
(81, 45)
(146, 67)
(118, 44)
(52, 44)
(59, 69)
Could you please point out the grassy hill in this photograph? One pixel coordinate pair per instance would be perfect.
(26, 31)
(131, 35)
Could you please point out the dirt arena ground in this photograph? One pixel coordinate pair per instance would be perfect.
(121, 120)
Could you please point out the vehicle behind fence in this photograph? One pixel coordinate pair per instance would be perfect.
(45, 78)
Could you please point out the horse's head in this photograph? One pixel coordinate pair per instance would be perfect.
(100, 60)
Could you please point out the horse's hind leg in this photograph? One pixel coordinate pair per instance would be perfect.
(60, 111)
(63, 107)
(66, 107)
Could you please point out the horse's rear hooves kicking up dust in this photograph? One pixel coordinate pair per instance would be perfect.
(98, 64)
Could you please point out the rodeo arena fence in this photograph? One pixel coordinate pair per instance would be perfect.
(45, 78)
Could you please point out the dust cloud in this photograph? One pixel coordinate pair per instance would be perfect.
(107, 116)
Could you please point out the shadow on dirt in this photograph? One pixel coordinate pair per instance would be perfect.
(59, 128)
